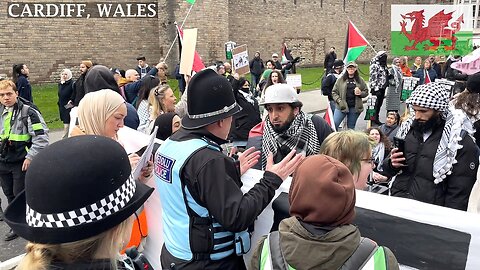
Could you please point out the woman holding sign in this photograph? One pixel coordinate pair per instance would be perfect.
(102, 113)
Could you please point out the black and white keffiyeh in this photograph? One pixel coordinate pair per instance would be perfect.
(434, 96)
(301, 135)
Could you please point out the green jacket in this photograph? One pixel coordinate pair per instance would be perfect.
(304, 250)
(339, 94)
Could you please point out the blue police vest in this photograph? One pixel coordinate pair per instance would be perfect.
(178, 203)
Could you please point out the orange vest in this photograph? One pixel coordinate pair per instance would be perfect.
(139, 231)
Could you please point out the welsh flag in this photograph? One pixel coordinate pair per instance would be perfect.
(191, 1)
(197, 60)
(356, 43)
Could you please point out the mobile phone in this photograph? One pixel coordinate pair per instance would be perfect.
(399, 143)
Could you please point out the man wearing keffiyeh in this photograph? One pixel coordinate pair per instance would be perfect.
(286, 128)
(440, 160)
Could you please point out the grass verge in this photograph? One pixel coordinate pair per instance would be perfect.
(45, 96)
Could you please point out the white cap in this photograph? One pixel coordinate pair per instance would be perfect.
(274, 55)
(280, 93)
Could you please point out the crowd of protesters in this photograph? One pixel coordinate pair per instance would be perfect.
(430, 155)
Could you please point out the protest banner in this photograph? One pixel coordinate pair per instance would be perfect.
(470, 64)
(422, 236)
(240, 62)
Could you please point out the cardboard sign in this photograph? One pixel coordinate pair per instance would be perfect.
(294, 80)
(240, 63)
(188, 50)
(409, 84)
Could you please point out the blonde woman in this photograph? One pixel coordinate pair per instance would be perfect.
(65, 231)
(65, 91)
(162, 100)
(354, 149)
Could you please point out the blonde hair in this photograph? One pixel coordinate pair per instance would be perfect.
(4, 84)
(95, 108)
(40, 256)
(155, 98)
(349, 147)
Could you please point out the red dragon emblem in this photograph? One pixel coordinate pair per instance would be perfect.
(437, 32)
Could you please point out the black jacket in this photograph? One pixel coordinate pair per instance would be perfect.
(24, 88)
(65, 91)
(213, 180)
(329, 59)
(416, 181)
(78, 90)
(256, 66)
(244, 120)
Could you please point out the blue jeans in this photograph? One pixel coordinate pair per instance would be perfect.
(352, 117)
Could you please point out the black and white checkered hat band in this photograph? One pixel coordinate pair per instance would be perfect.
(431, 95)
(94, 212)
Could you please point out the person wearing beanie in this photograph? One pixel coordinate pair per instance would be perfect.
(329, 81)
(319, 234)
(200, 185)
(79, 89)
(100, 77)
(287, 127)
(439, 162)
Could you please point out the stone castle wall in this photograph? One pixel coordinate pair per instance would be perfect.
(309, 28)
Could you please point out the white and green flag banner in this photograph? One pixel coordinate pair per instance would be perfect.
(431, 29)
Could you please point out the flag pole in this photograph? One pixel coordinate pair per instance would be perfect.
(176, 36)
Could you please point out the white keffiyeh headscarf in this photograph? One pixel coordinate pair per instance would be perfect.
(434, 96)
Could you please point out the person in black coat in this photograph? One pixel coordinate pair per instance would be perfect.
(256, 69)
(330, 58)
(79, 89)
(248, 117)
(439, 162)
(65, 90)
(20, 78)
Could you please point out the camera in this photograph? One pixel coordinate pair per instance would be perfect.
(139, 260)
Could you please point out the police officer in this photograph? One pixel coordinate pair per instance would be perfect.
(205, 214)
(23, 134)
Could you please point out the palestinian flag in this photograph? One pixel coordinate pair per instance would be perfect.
(328, 117)
(286, 56)
(356, 43)
(197, 60)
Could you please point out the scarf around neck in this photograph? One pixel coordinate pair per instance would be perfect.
(301, 136)
(456, 121)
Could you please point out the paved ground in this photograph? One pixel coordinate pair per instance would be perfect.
(313, 102)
